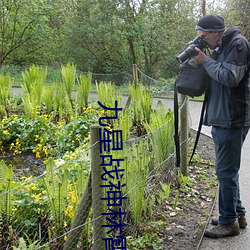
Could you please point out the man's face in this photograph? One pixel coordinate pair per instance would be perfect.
(211, 38)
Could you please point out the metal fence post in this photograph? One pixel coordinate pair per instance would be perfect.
(97, 190)
(184, 135)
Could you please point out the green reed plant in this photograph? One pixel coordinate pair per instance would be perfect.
(6, 184)
(136, 161)
(107, 95)
(48, 98)
(83, 90)
(62, 106)
(33, 85)
(65, 182)
(176, 200)
(161, 127)
(56, 184)
(141, 103)
(5, 90)
(124, 123)
(68, 74)
(164, 191)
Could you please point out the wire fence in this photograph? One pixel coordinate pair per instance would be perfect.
(93, 202)
(158, 87)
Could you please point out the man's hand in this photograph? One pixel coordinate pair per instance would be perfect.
(200, 58)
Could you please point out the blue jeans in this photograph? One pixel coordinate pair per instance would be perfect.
(228, 145)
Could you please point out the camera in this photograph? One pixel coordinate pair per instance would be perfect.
(190, 51)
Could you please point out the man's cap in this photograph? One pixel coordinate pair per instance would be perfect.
(210, 23)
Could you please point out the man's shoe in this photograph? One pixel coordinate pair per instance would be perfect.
(221, 231)
(241, 219)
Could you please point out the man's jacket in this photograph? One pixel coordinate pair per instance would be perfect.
(228, 103)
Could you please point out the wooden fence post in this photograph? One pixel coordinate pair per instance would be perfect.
(184, 135)
(80, 218)
(135, 82)
(135, 74)
(97, 190)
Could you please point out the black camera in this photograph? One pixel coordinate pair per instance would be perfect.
(190, 51)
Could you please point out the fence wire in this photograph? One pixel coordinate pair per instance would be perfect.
(56, 205)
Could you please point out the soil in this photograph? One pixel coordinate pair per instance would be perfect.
(186, 223)
(24, 164)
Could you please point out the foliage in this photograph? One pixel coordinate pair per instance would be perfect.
(22, 245)
(147, 241)
(124, 123)
(141, 109)
(51, 200)
(105, 36)
(236, 13)
(34, 81)
(83, 91)
(107, 96)
(161, 126)
(23, 25)
(43, 137)
(68, 74)
(43, 206)
(6, 184)
(30, 205)
(5, 90)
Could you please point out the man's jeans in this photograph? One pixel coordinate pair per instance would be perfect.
(228, 145)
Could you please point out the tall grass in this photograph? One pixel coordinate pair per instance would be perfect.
(83, 91)
(136, 163)
(5, 90)
(33, 86)
(107, 96)
(68, 74)
(6, 197)
(48, 98)
(161, 127)
(141, 104)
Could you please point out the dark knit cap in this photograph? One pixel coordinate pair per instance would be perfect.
(211, 23)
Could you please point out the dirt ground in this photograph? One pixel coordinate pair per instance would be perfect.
(187, 223)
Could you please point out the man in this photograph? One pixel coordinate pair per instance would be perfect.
(228, 112)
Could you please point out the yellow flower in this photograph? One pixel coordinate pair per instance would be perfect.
(45, 151)
(6, 132)
(38, 156)
(73, 199)
(17, 152)
(69, 211)
(31, 187)
(14, 209)
(37, 196)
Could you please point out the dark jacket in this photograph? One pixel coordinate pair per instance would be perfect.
(229, 90)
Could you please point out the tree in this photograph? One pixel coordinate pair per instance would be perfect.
(20, 22)
(237, 13)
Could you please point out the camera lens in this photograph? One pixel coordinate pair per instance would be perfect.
(187, 53)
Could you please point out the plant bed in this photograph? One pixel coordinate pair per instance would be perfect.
(179, 220)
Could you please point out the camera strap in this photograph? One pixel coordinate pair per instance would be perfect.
(199, 127)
